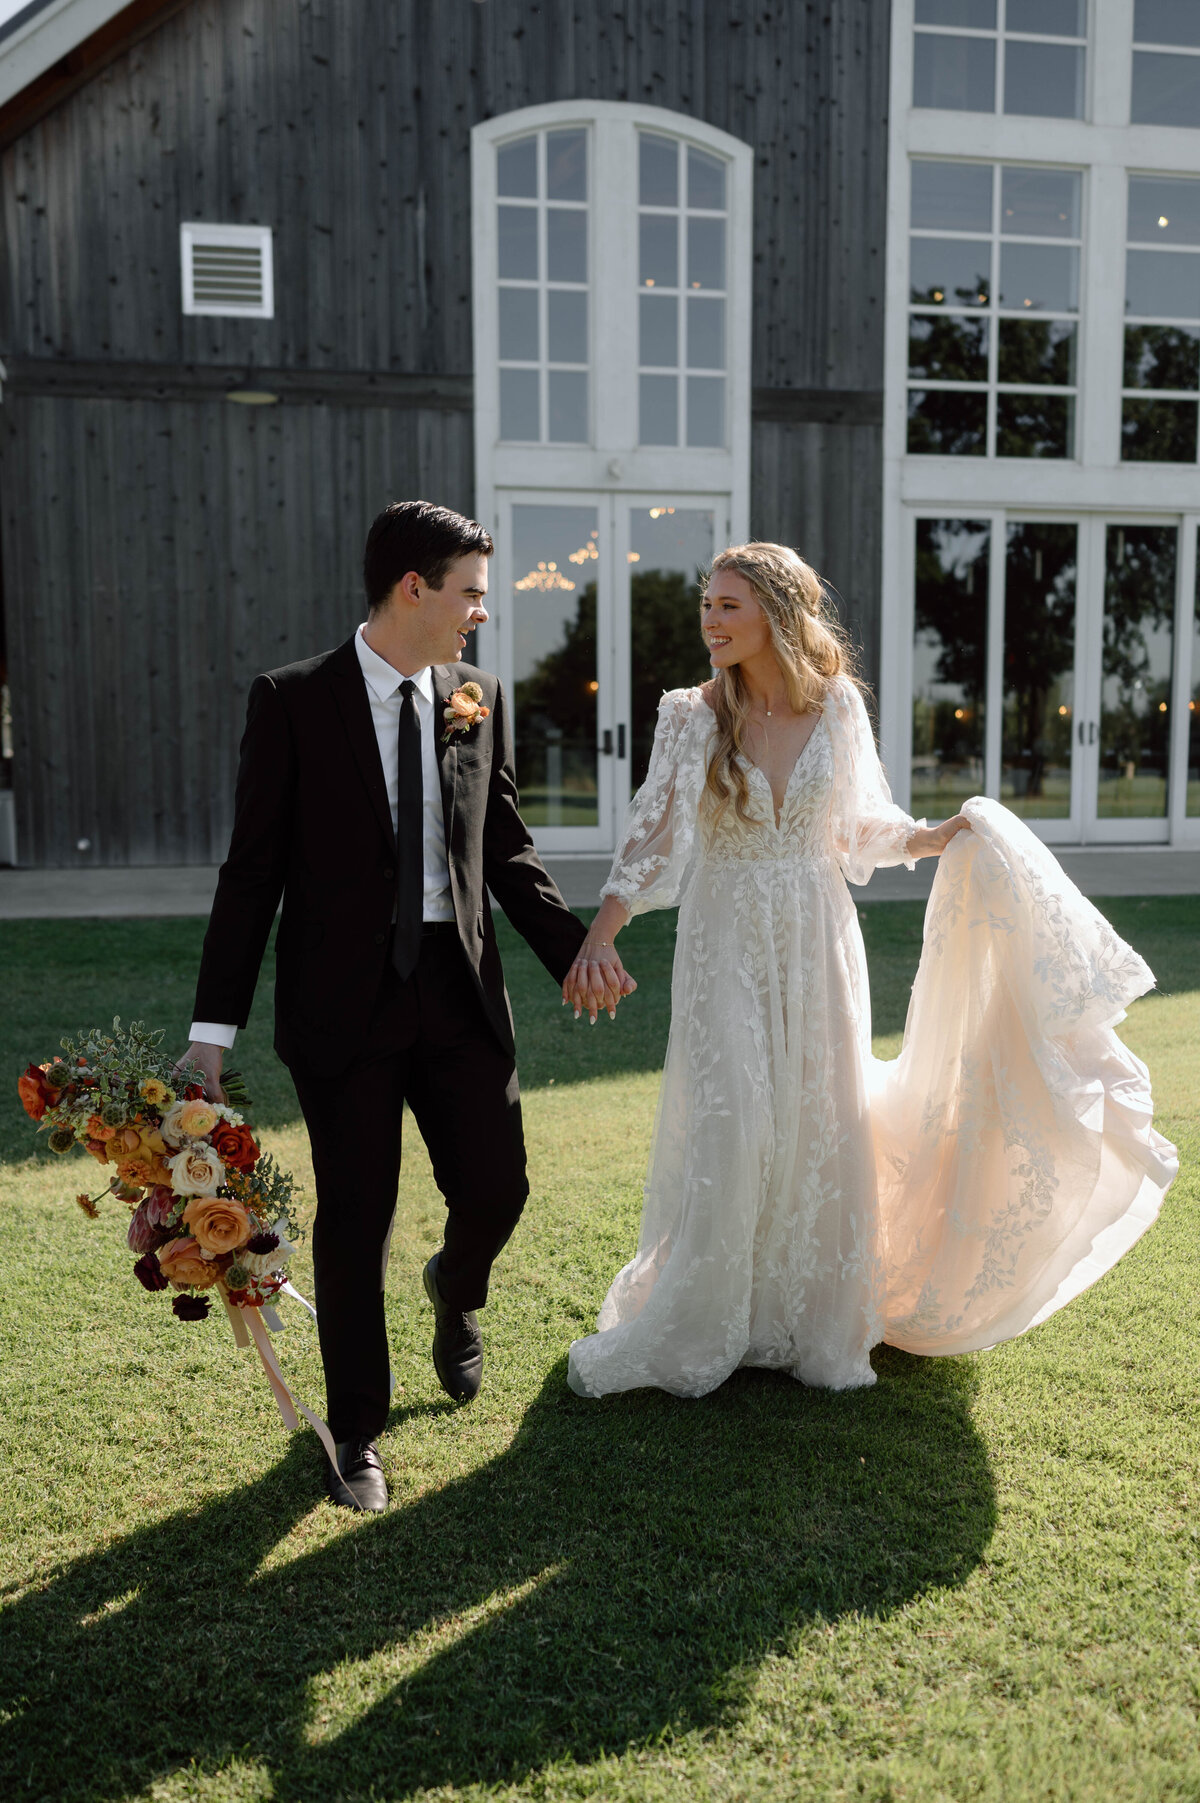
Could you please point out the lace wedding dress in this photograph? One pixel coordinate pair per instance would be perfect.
(804, 1200)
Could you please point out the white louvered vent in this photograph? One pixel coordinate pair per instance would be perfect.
(227, 269)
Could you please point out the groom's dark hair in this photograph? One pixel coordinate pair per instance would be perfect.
(416, 535)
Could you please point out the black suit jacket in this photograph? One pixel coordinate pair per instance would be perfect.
(312, 825)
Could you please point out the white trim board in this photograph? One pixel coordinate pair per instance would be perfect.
(34, 40)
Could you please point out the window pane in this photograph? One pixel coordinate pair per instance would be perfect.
(706, 180)
(1045, 80)
(658, 238)
(705, 333)
(1164, 210)
(519, 404)
(1162, 357)
(949, 663)
(516, 169)
(977, 15)
(947, 423)
(1135, 696)
(666, 650)
(1193, 770)
(566, 245)
(568, 327)
(566, 165)
(1042, 276)
(706, 410)
(519, 324)
(948, 348)
(1162, 283)
(1048, 18)
(950, 270)
(1039, 671)
(1166, 22)
(658, 170)
(658, 410)
(568, 406)
(1037, 350)
(1158, 431)
(1035, 425)
(658, 329)
(958, 73)
(1166, 89)
(952, 197)
(706, 253)
(555, 666)
(1040, 203)
(518, 256)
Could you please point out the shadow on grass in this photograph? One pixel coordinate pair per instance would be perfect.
(620, 1572)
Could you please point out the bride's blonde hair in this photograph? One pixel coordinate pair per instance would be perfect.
(810, 645)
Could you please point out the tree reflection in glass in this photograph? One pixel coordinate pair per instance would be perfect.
(1039, 670)
(1139, 611)
(949, 664)
(670, 550)
(555, 677)
(1193, 771)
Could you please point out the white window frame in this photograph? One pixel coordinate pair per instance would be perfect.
(193, 232)
(1109, 149)
(613, 462)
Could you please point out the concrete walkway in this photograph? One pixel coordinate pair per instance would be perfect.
(116, 894)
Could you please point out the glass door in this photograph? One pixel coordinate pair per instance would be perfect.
(596, 610)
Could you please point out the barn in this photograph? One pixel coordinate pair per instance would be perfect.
(913, 287)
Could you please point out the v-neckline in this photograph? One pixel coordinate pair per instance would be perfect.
(787, 787)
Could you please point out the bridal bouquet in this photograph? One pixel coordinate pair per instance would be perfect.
(209, 1211)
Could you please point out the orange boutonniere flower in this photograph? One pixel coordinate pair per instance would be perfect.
(463, 710)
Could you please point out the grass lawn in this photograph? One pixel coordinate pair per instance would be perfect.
(978, 1580)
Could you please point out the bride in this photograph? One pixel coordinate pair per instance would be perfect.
(804, 1201)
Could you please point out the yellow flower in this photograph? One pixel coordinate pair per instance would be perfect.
(155, 1092)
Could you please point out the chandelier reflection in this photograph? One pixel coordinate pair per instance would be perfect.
(546, 576)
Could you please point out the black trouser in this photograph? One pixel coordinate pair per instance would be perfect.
(430, 1045)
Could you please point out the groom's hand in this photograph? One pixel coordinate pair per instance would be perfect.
(207, 1059)
(597, 980)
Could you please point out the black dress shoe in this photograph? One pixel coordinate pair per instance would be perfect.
(457, 1343)
(361, 1485)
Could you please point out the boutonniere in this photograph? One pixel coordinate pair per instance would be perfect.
(463, 710)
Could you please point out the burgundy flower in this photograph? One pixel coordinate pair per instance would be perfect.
(144, 1233)
(262, 1242)
(190, 1308)
(148, 1272)
(160, 1205)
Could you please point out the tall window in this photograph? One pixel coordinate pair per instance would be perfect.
(994, 310)
(1009, 56)
(1166, 63)
(542, 257)
(1162, 331)
(682, 210)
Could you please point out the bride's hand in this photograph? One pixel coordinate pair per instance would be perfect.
(931, 841)
(596, 980)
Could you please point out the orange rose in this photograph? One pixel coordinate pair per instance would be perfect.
(35, 1093)
(465, 705)
(182, 1263)
(216, 1224)
(235, 1147)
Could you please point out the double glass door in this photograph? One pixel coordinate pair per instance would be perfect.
(1056, 665)
(597, 611)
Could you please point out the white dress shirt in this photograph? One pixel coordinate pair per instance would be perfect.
(383, 695)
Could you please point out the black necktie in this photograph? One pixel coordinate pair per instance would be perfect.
(410, 834)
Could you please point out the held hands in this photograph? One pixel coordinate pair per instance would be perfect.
(596, 980)
(207, 1059)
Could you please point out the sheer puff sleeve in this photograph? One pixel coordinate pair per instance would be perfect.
(867, 827)
(658, 835)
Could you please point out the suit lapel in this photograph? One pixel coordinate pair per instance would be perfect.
(350, 691)
(444, 685)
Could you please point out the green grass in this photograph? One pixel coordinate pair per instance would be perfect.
(976, 1581)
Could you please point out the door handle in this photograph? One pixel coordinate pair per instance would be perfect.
(1091, 732)
(606, 742)
(620, 741)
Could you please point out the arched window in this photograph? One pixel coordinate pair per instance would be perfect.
(613, 254)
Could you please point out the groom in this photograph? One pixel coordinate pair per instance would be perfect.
(382, 827)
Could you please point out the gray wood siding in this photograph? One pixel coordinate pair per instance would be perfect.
(346, 129)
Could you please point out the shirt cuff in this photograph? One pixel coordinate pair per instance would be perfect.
(210, 1032)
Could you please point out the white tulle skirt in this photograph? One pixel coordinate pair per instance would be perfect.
(805, 1200)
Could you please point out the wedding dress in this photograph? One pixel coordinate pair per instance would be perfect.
(805, 1201)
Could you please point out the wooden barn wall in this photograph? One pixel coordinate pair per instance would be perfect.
(346, 129)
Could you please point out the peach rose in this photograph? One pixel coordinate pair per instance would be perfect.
(196, 1171)
(97, 1130)
(182, 1262)
(464, 705)
(192, 1118)
(216, 1224)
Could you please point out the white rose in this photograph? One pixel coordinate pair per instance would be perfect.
(196, 1171)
